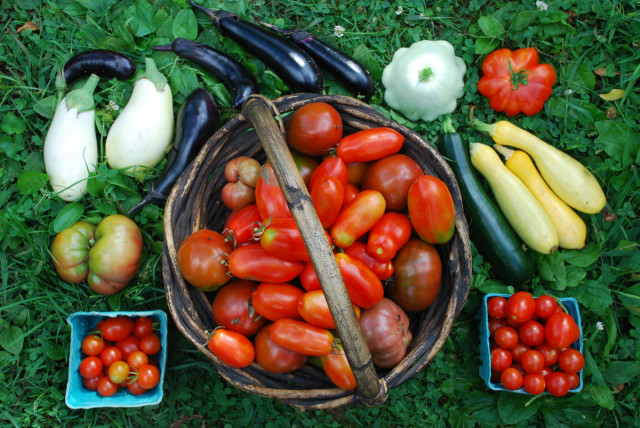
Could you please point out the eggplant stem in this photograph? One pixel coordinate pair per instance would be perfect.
(163, 48)
(276, 29)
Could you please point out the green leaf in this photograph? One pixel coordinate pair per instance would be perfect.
(12, 124)
(491, 286)
(522, 20)
(490, 26)
(67, 216)
(580, 79)
(12, 339)
(619, 141)
(56, 352)
(619, 372)
(602, 395)
(553, 271)
(594, 295)
(185, 25)
(114, 301)
(32, 182)
(582, 258)
(485, 45)
(513, 408)
(143, 23)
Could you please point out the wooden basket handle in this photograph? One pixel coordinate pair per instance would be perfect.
(258, 110)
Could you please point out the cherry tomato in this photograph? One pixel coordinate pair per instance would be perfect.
(574, 380)
(521, 306)
(358, 250)
(431, 209)
(418, 271)
(269, 197)
(134, 388)
(314, 129)
(232, 348)
(118, 372)
(90, 367)
(327, 197)
(337, 368)
(148, 376)
(330, 167)
(128, 345)
(545, 306)
(314, 309)
(388, 235)
(92, 345)
(364, 287)
(497, 307)
(532, 361)
(301, 337)
(237, 195)
(500, 359)
(561, 330)
(370, 144)
(142, 326)
(531, 333)
(91, 383)
(275, 301)
(201, 259)
(357, 218)
(519, 350)
(282, 238)
(243, 226)
(231, 308)
(494, 324)
(571, 360)
(106, 387)
(150, 343)
(534, 383)
(116, 328)
(274, 358)
(546, 371)
(506, 337)
(392, 176)
(137, 359)
(511, 379)
(254, 263)
(109, 355)
(558, 384)
(550, 354)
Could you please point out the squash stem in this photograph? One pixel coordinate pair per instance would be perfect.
(504, 151)
(488, 128)
(447, 125)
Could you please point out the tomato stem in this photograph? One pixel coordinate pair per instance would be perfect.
(519, 78)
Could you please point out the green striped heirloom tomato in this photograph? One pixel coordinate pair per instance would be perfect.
(253, 262)
(370, 144)
(364, 287)
(431, 209)
(357, 218)
(388, 235)
(201, 259)
(301, 337)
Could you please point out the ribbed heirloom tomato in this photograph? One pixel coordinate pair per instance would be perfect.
(201, 258)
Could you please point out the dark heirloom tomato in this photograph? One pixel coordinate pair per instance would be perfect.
(314, 309)
(337, 368)
(269, 197)
(275, 301)
(330, 167)
(253, 262)
(431, 209)
(231, 348)
(305, 164)
(302, 337)
(327, 197)
(243, 225)
(392, 176)
(364, 287)
(232, 310)
(282, 238)
(385, 328)
(274, 358)
(418, 270)
(370, 144)
(237, 195)
(314, 129)
(358, 250)
(357, 218)
(201, 259)
(388, 235)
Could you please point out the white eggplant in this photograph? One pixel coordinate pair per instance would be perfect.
(71, 145)
(141, 135)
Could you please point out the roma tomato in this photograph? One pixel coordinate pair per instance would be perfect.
(117, 328)
(392, 176)
(370, 144)
(558, 384)
(274, 358)
(301, 337)
(269, 197)
(232, 348)
(358, 250)
(356, 171)
(243, 226)
(521, 306)
(314, 309)
(237, 195)
(418, 271)
(308, 278)
(330, 167)
(232, 310)
(431, 209)
(350, 192)
(327, 197)
(253, 262)
(282, 238)
(561, 330)
(385, 328)
(201, 259)
(388, 235)
(275, 301)
(314, 129)
(337, 368)
(364, 287)
(357, 218)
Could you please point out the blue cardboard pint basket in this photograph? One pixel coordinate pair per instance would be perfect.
(485, 353)
(79, 397)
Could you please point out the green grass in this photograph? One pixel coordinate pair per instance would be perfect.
(593, 46)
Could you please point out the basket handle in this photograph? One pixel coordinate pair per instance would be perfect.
(258, 110)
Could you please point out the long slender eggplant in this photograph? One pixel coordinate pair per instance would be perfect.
(197, 119)
(349, 71)
(101, 62)
(229, 71)
(294, 66)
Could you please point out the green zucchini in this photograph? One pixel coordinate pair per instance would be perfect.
(493, 236)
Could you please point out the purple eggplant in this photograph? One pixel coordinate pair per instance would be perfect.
(294, 66)
(229, 71)
(101, 62)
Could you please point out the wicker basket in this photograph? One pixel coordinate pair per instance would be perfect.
(195, 203)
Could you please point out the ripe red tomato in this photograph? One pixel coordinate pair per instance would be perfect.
(274, 358)
(118, 372)
(327, 197)
(357, 218)
(308, 278)
(497, 307)
(350, 192)
(117, 328)
(330, 167)
(364, 287)
(109, 355)
(337, 368)
(534, 383)
(134, 388)
(253, 262)
(106, 388)
(275, 301)
(532, 361)
(128, 345)
(494, 324)
(243, 225)
(137, 359)
(148, 376)
(91, 383)
(92, 345)
(431, 209)
(418, 270)
(392, 176)
(301, 337)
(518, 351)
(550, 354)
(574, 380)
(232, 348)
(282, 238)
(501, 359)
(545, 306)
(269, 197)
(388, 235)
(90, 367)
(571, 360)
(314, 309)
(231, 308)
(561, 330)
(201, 259)
(531, 333)
(150, 343)
(237, 195)
(370, 144)
(521, 306)
(358, 250)
(558, 384)
(511, 379)
(142, 326)
(314, 129)
(506, 337)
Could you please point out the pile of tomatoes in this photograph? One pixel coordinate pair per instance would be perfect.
(530, 342)
(118, 354)
(380, 212)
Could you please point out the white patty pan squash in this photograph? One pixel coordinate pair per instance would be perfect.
(424, 80)
(141, 135)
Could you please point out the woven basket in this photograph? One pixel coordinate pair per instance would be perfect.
(195, 203)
